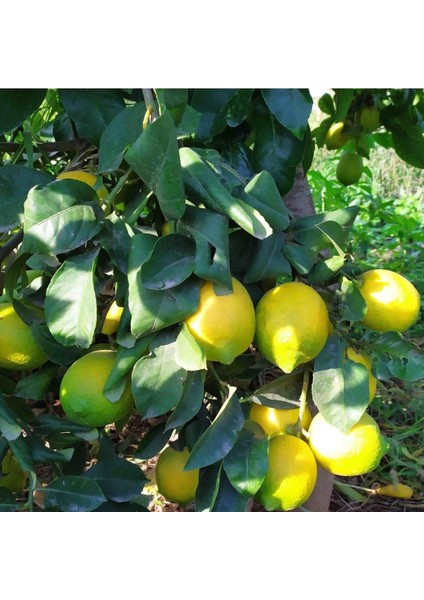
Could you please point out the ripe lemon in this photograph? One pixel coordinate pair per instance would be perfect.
(364, 359)
(19, 349)
(370, 118)
(393, 303)
(291, 325)
(223, 325)
(13, 476)
(112, 319)
(88, 178)
(291, 475)
(173, 483)
(335, 138)
(81, 391)
(395, 491)
(275, 420)
(349, 168)
(354, 453)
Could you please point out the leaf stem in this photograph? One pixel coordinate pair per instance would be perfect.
(151, 113)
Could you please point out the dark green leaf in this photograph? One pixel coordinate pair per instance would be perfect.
(72, 494)
(9, 426)
(15, 183)
(401, 357)
(115, 238)
(121, 507)
(92, 110)
(70, 306)
(153, 442)
(157, 380)
(409, 145)
(239, 157)
(186, 119)
(352, 305)
(342, 99)
(325, 103)
(228, 499)
(154, 157)
(170, 263)
(216, 106)
(262, 193)
(17, 105)
(35, 386)
(246, 464)
(291, 108)
(326, 269)
(239, 107)
(122, 131)
(301, 258)
(46, 424)
(119, 479)
(190, 402)
(41, 453)
(55, 352)
(340, 387)
(7, 501)
(317, 231)
(281, 393)
(220, 437)
(208, 486)
(268, 260)
(60, 217)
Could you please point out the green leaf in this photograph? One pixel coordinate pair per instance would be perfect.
(352, 306)
(72, 494)
(55, 352)
(317, 231)
(246, 464)
(340, 387)
(17, 105)
(120, 507)
(325, 104)
(281, 393)
(115, 238)
(92, 110)
(403, 358)
(46, 424)
(190, 402)
(325, 270)
(291, 108)
(41, 453)
(15, 183)
(342, 99)
(9, 426)
(7, 501)
(186, 119)
(301, 258)
(119, 479)
(210, 232)
(204, 187)
(276, 149)
(219, 107)
(154, 157)
(268, 260)
(60, 217)
(157, 380)
(122, 131)
(409, 145)
(70, 305)
(220, 437)
(208, 487)
(262, 193)
(35, 386)
(228, 499)
(153, 442)
(188, 353)
(170, 263)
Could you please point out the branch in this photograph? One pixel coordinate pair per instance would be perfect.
(48, 147)
(11, 244)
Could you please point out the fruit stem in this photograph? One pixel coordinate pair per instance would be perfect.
(302, 400)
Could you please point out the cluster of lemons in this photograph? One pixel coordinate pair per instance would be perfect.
(350, 166)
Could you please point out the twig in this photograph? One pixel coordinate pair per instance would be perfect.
(150, 104)
(11, 244)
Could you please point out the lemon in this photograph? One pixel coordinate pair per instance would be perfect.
(81, 391)
(349, 168)
(223, 325)
(88, 178)
(112, 319)
(13, 476)
(370, 118)
(395, 491)
(173, 483)
(353, 453)
(19, 349)
(393, 303)
(291, 325)
(335, 138)
(364, 359)
(276, 420)
(291, 475)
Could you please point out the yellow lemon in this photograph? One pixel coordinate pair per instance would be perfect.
(81, 391)
(13, 476)
(291, 325)
(395, 491)
(173, 483)
(353, 453)
(335, 138)
(88, 178)
(276, 420)
(393, 303)
(370, 118)
(112, 319)
(364, 359)
(291, 475)
(223, 325)
(19, 349)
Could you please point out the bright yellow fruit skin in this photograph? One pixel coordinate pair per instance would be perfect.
(334, 138)
(370, 118)
(291, 325)
(395, 491)
(291, 476)
(347, 454)
(393, 303)
(173, 483)
(274, 420)
(81, 391)
(223, 325)
(112, 319)
(365, 360)
(19, 351)
(13, 476)
(88, 178)
(349, 168)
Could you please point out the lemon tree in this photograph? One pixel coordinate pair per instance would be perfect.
(175, 316)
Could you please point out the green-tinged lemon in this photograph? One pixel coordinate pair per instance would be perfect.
(173, 483)
(19, 350)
